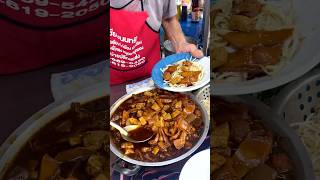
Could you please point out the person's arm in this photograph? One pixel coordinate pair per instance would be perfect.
(174, 32)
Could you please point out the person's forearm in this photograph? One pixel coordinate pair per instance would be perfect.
(174, 32)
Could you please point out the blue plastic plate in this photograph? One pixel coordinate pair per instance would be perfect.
(157, 75)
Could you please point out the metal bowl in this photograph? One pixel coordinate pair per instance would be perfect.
(17, 140)
(117, 152)
(292, 144)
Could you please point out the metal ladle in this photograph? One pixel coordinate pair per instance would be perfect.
(125, 132)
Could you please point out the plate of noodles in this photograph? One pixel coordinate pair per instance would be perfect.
(181, 73)
(257, 45)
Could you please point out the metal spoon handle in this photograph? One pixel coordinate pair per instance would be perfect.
(122, 131)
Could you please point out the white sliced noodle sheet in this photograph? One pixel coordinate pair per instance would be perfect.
(195, 67)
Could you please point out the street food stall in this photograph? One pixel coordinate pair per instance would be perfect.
(158, 163)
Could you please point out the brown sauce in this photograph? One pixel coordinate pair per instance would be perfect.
(140, 134)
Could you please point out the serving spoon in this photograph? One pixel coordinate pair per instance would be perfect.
(126, 135)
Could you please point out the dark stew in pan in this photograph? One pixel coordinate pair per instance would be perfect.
(74, 146)
(174, 118)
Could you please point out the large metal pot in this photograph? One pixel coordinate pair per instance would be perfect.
(117, 152)
(12, 146)
(293, 145)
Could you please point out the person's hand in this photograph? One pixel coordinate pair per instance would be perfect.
(189, 48)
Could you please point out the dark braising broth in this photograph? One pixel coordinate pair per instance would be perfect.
(174, 118)
(73, 146)
(242, 148)
(140, 134)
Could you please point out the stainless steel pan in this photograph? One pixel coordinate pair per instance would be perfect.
(117, 152)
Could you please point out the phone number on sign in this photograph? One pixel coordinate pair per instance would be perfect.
(82, 8)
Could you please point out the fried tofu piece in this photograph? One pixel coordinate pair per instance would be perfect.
(156, 107)
(217, 161)
(221, 135)
(48, 167)
(187, 63)
(166, 76)
(242, 23)
(133, 121)
(142, 120)
(218, 57)
(175, 113)
(262, 172)
(251, 60)
(249, 8)
(155, 150)
(254, 150)
(127, 145)
(250, 39)
(226, 172)
(172, 69)
(190, 73)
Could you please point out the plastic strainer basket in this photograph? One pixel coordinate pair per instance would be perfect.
(203, 93)
(298, 100)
